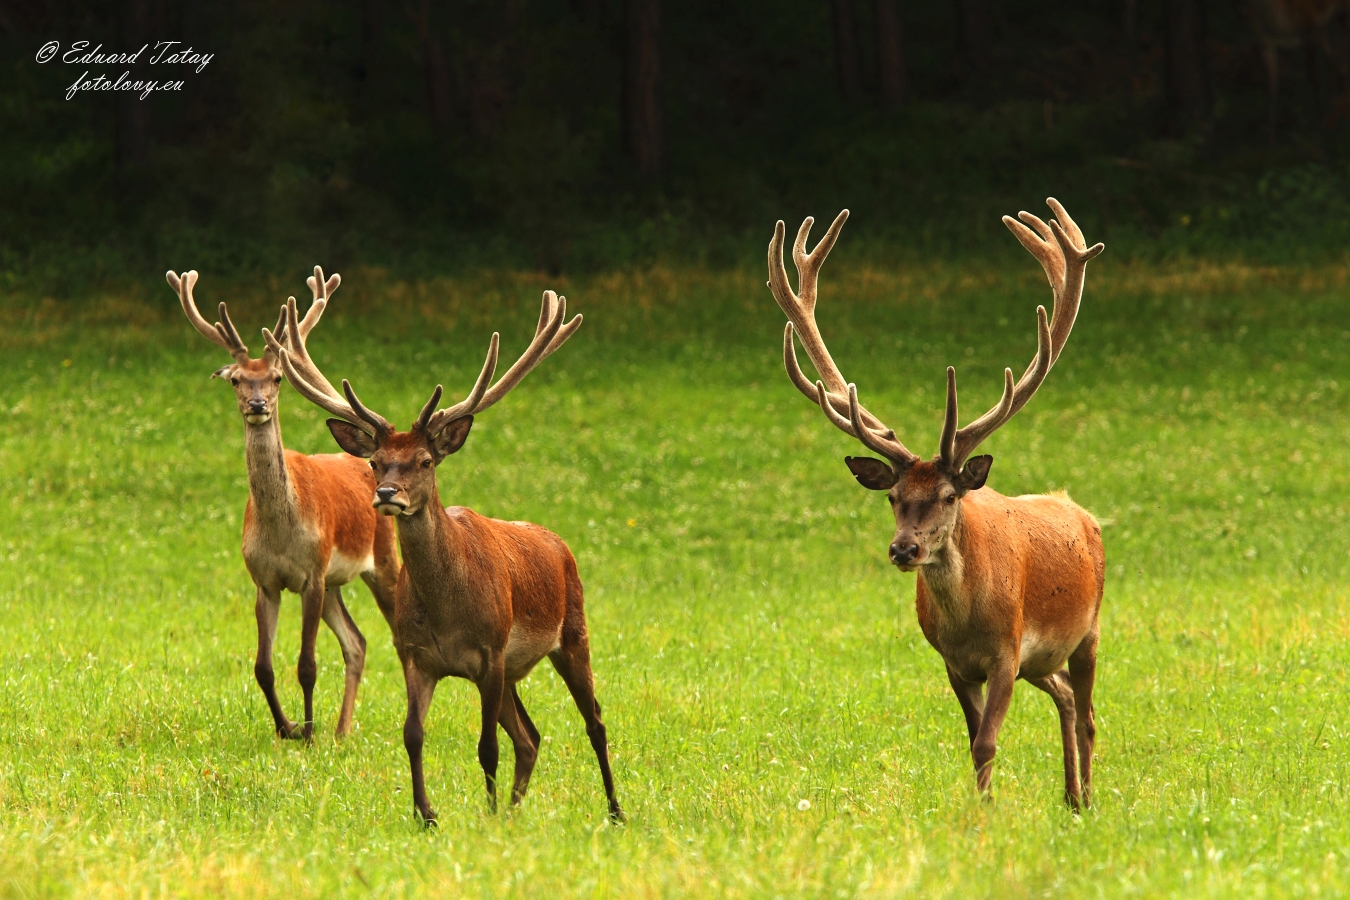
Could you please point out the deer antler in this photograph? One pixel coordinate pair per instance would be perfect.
(222, 333)
(837, 398)
(1064, 255)
(550, 334)
(305, 376)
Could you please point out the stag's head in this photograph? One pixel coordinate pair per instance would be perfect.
(405, 462)
(926, 495)
(256, 382)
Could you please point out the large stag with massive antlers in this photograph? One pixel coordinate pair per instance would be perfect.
(478, 598)
(308, 525)
(1008, 587)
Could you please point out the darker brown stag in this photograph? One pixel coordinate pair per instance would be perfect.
(478, 598)
(308, 525)
(1008, 587)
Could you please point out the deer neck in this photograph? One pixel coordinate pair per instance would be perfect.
(432, 547)
(269, 484)
(948, 578)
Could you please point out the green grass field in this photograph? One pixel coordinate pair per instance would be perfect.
(753, 648)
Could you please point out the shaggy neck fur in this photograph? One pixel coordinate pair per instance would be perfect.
(269, 483)
(945, 576)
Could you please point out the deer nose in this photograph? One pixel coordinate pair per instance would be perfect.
(903, 554)
(385, 494)
(257, 406)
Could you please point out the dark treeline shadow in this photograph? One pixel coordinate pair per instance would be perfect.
(430, 135)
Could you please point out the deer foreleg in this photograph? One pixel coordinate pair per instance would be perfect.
(971, 697)
(307, 670)
(267, 609)
(997, 697)
(421, 687)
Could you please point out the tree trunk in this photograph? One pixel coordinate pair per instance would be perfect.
(644, 130)
(975, 33)
(372, 23)
(435, 68)
(1187, 72)
(846, 59)
(131, 114)
(890, 57)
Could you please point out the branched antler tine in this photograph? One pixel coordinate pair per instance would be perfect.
(529, 359)
(472, 403)
(885, 443)
(370, 417)
(969, 437)
(328, 402)
(229, 332)
(801, 310)
(1046, 250)
(808, 264)
(424, 417)
(305, 375)
(1068, 224)
(822, 400)
(215, 333)
(564, 332)
(794, 369)
(321, 291)
(947, 443)
(778, 280)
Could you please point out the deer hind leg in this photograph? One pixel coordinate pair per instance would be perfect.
(353, 646)
(307, 669)
(1082, 674)
(1061, 691)
(267, 609)
(997, 697)
(491, 690)
(971, 697)
(421, 687)
(573, 662)
(525, 740)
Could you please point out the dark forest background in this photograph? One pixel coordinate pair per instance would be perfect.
(590, 134)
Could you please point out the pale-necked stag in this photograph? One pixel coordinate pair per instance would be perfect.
(1008, 587)
(308, 525)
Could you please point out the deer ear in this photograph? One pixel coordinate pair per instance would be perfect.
(974, 473)
(450, 438)
(223, 372)
(872, 474)
(352, 439)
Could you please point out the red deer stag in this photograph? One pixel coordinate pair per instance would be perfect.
(478, 598)
(308, 526)
(1008, 587)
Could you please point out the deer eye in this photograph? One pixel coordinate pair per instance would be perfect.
(426, 464)
(951, 499)
(234, 382)
(277, 380)
(373, 467)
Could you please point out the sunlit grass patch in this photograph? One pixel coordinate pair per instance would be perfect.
(753, 649)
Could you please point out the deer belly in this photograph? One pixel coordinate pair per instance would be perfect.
(1042, 655)
(342, 569)
(526, 646)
